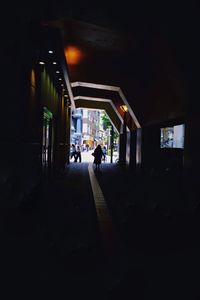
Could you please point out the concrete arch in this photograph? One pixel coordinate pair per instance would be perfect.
(109, 88)
(101, 104)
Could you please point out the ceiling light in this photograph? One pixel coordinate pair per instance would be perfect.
(50, 51)
(73, 55)
(54, 63)
(124, 108)
(41, 63)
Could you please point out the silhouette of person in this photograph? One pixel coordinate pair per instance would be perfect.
(104, 153)
(73, 152)
(78, 154)
(97, 157)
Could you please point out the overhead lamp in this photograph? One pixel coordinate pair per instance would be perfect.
(124, 108)
(73, 54)
(54, 63)
(59, 78)
(57, 72)
(41, 62)
(50, 51)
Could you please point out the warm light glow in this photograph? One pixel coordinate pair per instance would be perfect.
(124, 108)
(33, 79)
(73, 55)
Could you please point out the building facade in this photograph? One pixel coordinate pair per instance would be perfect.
(86, 128)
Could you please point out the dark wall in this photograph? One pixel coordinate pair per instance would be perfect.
(26, 88)
(156, 160)
(20, 127)
(131, 150)
(153, 83)
(150, 148)
(192, 157)
(55, 103)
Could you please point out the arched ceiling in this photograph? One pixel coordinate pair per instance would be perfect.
(125, 47)
(104, 55)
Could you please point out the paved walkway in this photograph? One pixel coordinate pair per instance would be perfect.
(91, 237)
(87, 157)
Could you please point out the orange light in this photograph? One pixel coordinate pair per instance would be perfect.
(73, 55)
(124, 108)
(33, 79)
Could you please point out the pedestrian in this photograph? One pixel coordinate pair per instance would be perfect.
(97, 157)
(104, 153)
(78, 154)
(73, 152)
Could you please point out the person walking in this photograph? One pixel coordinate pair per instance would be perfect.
(104, 153)
(78, 154)
(97, 157)
(73, 152)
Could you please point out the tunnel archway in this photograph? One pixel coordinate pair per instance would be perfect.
(124, 121)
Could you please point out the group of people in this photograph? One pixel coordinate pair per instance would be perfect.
(76, 153)
(99, 154)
